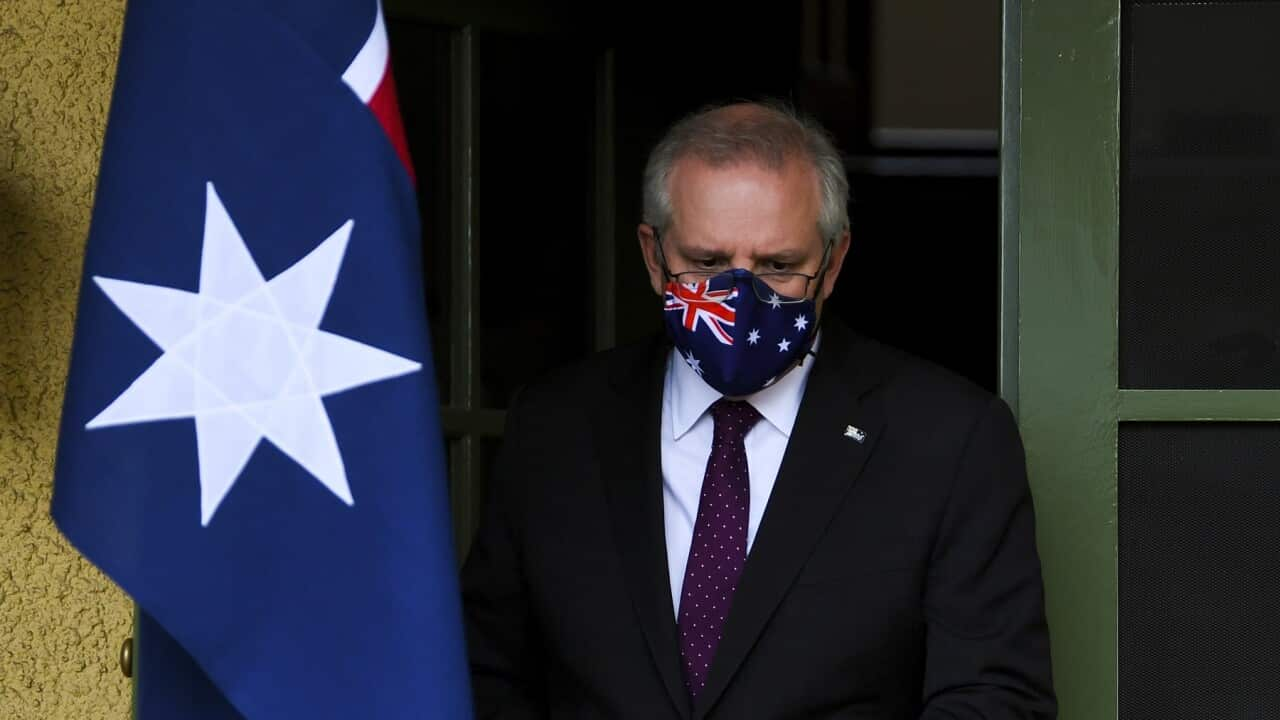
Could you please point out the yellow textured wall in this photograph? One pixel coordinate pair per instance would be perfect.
(61, 621)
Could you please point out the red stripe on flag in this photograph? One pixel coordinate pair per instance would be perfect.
(386, 108)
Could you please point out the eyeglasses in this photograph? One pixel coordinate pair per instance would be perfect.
(781, 288)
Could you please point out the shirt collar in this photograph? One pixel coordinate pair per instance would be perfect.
(691, 397)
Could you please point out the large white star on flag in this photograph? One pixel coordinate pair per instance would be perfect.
(245, 357)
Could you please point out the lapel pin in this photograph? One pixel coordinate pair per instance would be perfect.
(855, 433)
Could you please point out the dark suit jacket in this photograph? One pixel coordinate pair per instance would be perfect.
(891, 578)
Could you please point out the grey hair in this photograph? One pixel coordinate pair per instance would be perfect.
(771, 135)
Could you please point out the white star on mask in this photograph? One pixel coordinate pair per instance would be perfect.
(694, 363)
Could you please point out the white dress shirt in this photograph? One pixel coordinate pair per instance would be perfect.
(687, 430)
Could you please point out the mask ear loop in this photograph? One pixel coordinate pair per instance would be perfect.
(817, 321)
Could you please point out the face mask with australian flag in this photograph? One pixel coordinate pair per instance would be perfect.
(736, 332)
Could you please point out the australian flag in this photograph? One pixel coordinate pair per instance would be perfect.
(250, 444)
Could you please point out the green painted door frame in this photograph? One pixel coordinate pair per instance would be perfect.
(1060, 205)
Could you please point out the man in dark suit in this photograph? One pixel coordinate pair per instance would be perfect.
(752, 517)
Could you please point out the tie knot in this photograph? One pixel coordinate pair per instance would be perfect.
(733, 418)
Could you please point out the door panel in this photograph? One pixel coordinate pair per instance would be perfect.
(504, 104)
(535, 116)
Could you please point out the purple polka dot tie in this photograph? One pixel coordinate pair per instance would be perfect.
(719, 547)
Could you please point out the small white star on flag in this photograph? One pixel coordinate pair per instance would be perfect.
(784, 346)
(801, 322)
(775, 301)
(753, 337)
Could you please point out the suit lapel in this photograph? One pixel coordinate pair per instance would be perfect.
(821, 463)
(627, 429)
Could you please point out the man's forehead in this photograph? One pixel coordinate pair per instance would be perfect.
(722, 206)
(792, 187)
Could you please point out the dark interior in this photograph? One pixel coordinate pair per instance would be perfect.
(923, 270)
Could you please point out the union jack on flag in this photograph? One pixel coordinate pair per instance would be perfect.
(699, 302)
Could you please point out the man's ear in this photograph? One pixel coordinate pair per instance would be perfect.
(834, 264)
(649, 250)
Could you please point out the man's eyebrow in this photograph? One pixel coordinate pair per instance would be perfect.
(703, 251)
(782, 256)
